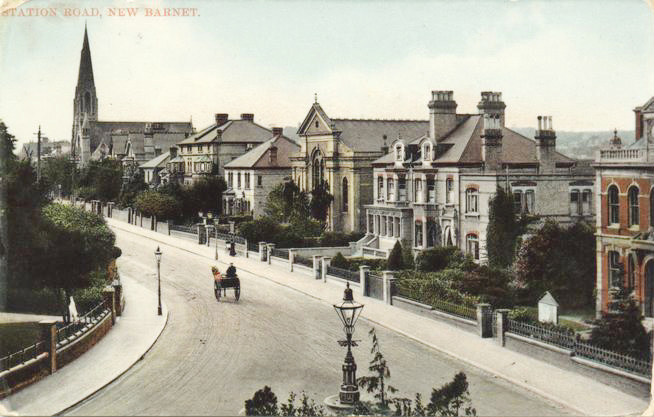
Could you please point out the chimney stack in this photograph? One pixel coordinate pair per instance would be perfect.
(442, 114)
(639, 123)
(545, 145)
(221, 118)
(248, 117)
(491, 103)
(173, 152)
(491, 142)
(277, 131)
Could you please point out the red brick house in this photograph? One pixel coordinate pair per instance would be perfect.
(625, 207)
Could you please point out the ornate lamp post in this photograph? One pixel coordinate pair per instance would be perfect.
(215, 228)
(157, 255)
(348, 311)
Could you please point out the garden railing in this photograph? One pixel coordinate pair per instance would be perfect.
(85, 322)
(308, 262)
(345, 274)
(22, 356)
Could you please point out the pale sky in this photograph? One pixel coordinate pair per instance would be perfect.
(586, 63)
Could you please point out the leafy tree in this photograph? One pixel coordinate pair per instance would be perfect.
(204, 195)
(321, 199)
(491, 284)
(264, 403)
(7, 158)
(395, 258)
(59, 171)
(131, 188)
(622, 330)
(440, 257)
(260, 230)
(339, 261)
(286, 203)
(79, 243)
(504, 229)
(558, 260)
(452, 399)
(102, 180)
(377, 382)
(153, 203)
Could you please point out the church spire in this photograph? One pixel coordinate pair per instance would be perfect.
(85, 66)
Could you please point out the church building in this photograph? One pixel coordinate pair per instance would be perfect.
(130, 141)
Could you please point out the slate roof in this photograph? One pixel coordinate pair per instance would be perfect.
(235, 131)
(258, 156)
(463, 145)
(103, 131)
(368, 135)
(157, 161)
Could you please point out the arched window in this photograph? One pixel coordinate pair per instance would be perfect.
(616, 270)
(398, 153)
(472, 200)
(631, 273)
(633, 206)
(472, 245)
(426, 152)
(317, 169)
(345, 195)
(614, 205)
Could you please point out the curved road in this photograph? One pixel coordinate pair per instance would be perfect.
(212, 356)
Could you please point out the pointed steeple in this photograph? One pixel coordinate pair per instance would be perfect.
(85, 65)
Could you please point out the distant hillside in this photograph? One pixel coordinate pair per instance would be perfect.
(581, 145)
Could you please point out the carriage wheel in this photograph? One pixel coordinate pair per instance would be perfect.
(237, 293)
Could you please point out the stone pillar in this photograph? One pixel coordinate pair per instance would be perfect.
(501, 317)
(317, 262)
(485, 320)
(200, 230)
(49, 336)
(140, 219)
(232, 227)
(364, 276)
(353, 248)
(326, 261)
(263, 251)
(208, 231)
(129, 215)
(170, 223)
(110, 209)
(153, 223)
(291, 259)
(388, 278)
(271, 246)
(110, 298)
(118, 293)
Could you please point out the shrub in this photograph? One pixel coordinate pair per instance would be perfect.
(153, 203)
(339, 261)
(395, 258)
(435, 259)
(622, 331)
(431, 287)
(264, 403)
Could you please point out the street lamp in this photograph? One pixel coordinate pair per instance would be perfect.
(215, 228)
(348, 311)
(157, 255)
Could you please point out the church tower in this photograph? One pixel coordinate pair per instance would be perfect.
(85, 103)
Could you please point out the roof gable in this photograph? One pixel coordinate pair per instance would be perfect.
(316, 115)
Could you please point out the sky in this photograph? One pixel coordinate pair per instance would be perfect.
(585, 63)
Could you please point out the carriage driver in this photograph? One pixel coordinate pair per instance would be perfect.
(231, 271)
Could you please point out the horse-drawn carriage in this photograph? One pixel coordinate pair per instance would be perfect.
(230, 280)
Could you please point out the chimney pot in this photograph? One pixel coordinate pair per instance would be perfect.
(221, 118)
(277, 131)
(248, 117)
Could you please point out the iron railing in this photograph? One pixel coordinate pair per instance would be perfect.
(186, 229)
(228, 237)
(308, 262)
(613, 359)
(22, 356)
(253, 247)
(343, 273)
(462, 311)
(82, 325)
(553, 337)
(279, 253)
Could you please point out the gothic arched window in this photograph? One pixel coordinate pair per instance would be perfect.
(633, 206)
(614, 205)
(317, 169)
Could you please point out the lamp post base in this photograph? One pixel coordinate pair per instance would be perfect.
(333, 402)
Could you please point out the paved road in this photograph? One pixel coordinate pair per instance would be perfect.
(212, 356)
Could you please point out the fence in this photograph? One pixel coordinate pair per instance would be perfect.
(187, 229)
(253, 247)
(554, 337)
(279, 253)
(82, 325)
(455, 309)
(22, 356)
(308, 262)
(343, 273)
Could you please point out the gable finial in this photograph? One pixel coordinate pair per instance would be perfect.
(315, 98)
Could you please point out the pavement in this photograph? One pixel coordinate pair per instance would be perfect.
(126, 343)
(577, 393)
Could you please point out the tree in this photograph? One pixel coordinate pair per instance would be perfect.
(153, 203)
(58, 170)
(7, 157)
(264, 403)
(260, 230)
(558, 260)
(79, 243)
(339, 261)
(286, 203)
(622, 330)
(204, 195)
(131, 188)
(395, 258)
(101, 180)
(451, 399)
(321, 199)
(504, 229)
(377, 382)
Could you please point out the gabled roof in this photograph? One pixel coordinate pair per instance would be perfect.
(548, 300)
(235, 131)
(157, 161)
(258, 157)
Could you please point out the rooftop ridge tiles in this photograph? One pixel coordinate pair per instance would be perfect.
(377, 120)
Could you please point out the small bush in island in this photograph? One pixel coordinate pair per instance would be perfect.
(452, 399)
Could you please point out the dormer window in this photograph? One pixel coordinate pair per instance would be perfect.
(426, 152)
(398, 153)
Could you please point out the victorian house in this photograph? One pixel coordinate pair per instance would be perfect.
(624, 185)
(434, 188)
(207, 151)
(340, 153)
(252, 176)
